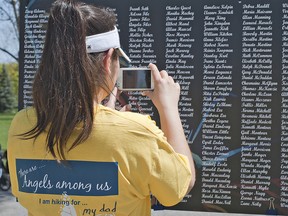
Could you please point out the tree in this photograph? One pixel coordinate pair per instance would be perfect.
(13, 73)
(9, 19)
(7, 99)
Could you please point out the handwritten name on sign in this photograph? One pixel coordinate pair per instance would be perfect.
(83, 178)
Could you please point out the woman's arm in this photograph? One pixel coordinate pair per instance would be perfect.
(166, 97)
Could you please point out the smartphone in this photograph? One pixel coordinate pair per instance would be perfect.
(135, 79)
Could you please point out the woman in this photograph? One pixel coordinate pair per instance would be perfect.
(70, 155)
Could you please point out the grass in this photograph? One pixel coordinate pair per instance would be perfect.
(5, 121)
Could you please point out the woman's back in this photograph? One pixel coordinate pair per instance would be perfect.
(125, 159)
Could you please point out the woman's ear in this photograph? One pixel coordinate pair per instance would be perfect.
(108, 60)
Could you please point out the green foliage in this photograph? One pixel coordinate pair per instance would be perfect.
(13, 71)
(9, 82)
(7, 99)
(5, 121)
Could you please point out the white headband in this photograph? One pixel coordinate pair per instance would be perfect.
(105, 41)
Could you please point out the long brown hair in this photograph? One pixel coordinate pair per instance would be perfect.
(68, 79)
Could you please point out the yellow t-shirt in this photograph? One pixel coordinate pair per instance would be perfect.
(114, 172)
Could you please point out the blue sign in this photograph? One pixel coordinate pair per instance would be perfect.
(82, 178)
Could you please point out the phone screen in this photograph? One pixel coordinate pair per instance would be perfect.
(137, 79)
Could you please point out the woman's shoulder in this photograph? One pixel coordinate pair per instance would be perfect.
(25, 115)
